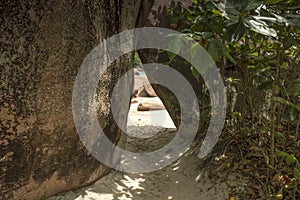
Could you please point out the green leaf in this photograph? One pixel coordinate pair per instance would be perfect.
(213, 50)
(297, 106)
(253, 4)
(174, 47)
(270, 19)
(293, 114)
(216, 12)
(281, 19)
(281, 153)
(267, 159)
(280, 135)
(231, 21)
(216, 48)
(200, 58)
(195, 73)
(295, 21)
(222, 49)
(295, 89)
(272, 1)
(288, 103)
(207, 35)
(231, 11)
(282, 101)
(228, 9)
(260, 27)
(290, 159)
(194, 50)
(236, 31)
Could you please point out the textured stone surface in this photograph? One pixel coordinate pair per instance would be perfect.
(43, 44)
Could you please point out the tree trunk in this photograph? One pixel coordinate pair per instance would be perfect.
(43, 44)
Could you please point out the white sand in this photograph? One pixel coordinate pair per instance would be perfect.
(159, 118)
(183, 180)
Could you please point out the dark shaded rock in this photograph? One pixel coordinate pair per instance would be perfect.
(43, 44)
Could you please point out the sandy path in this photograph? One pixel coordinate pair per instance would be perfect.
(183, 180)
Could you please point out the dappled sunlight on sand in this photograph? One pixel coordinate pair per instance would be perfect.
(91, 195)
(132, 184)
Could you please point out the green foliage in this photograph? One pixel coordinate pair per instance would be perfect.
(290, 160)
(137, 61)
(174, 47)
(256, 44)
(295, 89)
